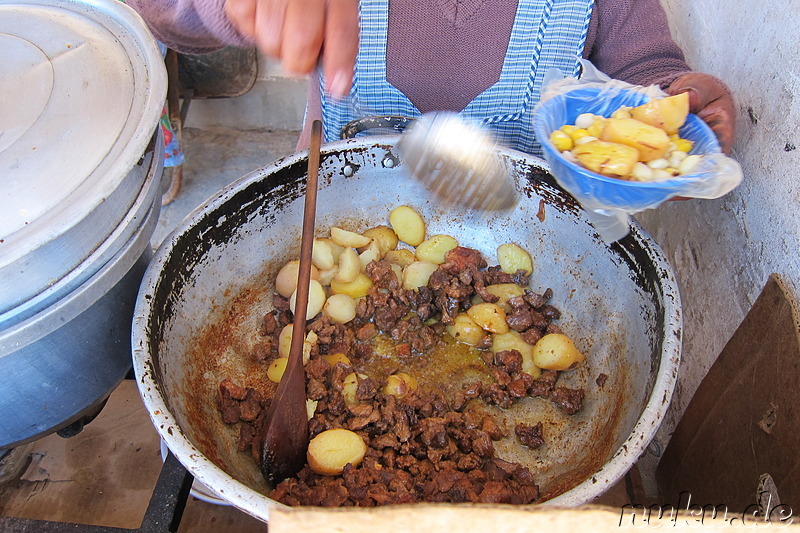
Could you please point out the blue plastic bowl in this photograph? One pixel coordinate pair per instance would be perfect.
(583, 183)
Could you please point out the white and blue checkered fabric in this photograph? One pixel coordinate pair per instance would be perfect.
(546, 34)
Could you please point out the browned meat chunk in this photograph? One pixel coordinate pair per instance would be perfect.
(530, 436)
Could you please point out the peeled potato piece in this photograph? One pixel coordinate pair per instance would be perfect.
(512, 340)
(607, 158)
(371, 253)
(465, 330)
(340, 308)
(434, 249)
(417, 274)
(316, 299)
(512, 257)
(335, 248)
(286, 280)
(556, 351)
(349, 266)
(399, 385)
(335, 358)
(285, 342)
(333, 449)
(322, 254)
(668, 113)
(402, 257)
(490, 317)
(357, 288)
(350, 387)
(408, 225)
(504, 291)
(276, 369)
(384, 237)
(649, 141)
(345, 238)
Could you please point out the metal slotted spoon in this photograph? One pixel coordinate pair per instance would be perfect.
(457, 161)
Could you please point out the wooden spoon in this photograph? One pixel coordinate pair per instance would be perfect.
(283, 441)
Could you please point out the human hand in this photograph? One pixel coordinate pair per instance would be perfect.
(711, 100)
(302, 33)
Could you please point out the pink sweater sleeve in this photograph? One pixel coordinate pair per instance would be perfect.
(630, 40)
(189, 26)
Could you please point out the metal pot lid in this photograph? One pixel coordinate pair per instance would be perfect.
(83, 86)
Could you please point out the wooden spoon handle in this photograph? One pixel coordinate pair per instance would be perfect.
(306, 245)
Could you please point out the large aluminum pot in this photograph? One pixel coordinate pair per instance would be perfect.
(210, 282)
(81, 157)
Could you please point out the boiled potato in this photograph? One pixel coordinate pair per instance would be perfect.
(649, 141)
(309, 342)
(490, 317)
(511, 258)
(402, 257)
(316, 299)
(311, 408)
(286, 280)
(322, 254)
(504, 291)
(357, 288)
(434, 249)
(399, 385)
(348, 239)
(285, 340)
(607, 158)
(556, 351)
(512, 340)
(466, 330)
(340, 308)
(371, 253)
(336, 250)
(335, 358)
(350, 387)
(333, 449)
(417, 274)
(326, 276)
(276, 369)
(408, 225)
(384, 237)
(349, 266)
(668, 113)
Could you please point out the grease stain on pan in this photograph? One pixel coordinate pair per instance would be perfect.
(256, 207)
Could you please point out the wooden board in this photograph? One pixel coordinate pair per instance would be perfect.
(744, 420)
(106, 474)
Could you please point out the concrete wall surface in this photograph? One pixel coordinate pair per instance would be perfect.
(724, 250)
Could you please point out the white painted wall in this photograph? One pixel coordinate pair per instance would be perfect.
(723, 250)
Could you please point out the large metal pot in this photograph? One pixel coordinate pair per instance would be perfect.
(81, 158)
(210, 282)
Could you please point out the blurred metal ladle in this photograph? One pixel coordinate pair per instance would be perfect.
(457, 161)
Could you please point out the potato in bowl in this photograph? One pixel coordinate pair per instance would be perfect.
(622, 149)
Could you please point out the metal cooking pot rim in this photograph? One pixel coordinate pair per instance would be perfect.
(259, 505)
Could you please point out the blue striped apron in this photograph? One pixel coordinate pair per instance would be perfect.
(546, 34)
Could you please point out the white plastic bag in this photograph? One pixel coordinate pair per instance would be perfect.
(610, 202)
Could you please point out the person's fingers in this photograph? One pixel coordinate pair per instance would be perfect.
(270, 26)
(710, 100)
(303, 33)
(341, 45)
(242, 14)
(720, 120)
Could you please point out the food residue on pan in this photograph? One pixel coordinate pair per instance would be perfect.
(415, 352)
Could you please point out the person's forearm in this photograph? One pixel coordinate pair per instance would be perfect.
(633, 43)
(189, 26)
